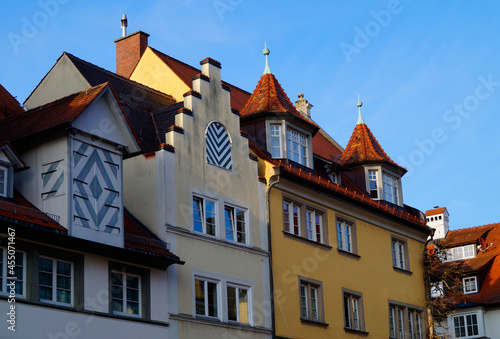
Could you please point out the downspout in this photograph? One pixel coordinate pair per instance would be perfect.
(430, 322)
(271, 280)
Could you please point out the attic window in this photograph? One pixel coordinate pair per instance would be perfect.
(333, 177)
(296, 144)
(3, 181)
(460, 253)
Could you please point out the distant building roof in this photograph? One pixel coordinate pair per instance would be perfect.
(9, 106)
(434, 211)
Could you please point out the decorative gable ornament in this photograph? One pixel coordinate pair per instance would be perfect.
(218, 146)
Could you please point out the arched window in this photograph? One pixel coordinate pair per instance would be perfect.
(218, 146)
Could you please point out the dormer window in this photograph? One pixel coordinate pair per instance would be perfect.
(3, 181)
(333, 177)
(383, 185)
(276, 140)
(461, 252)
(470, 285)
(287, 141)
(372, 183)
(296, 144)
(390, 188)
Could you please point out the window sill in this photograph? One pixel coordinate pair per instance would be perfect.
(401, 270)
(348, 254)
(358, 332)
(307, 241)
(313, 322)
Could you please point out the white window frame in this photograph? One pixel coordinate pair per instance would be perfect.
(353, 310)
(217, 284)
(5, 272)
(203, 213)
(372, 175)
(124, 293)
(345, 236)
(437, 289)
(468, 324)
(4, 186)
(461, 252)
(405, 321)
(399, 249)
(238, 289)
(310, 299)
(470, 285)
(314, 221)
(292, 226)
(235, 232)
(390, 189)
(54, 281)
(294, 137)
(276, 134)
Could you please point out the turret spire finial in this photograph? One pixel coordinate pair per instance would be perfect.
(266, 52)
(360, 117)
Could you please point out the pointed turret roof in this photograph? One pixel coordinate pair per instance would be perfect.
(363, 147)
(269, 97)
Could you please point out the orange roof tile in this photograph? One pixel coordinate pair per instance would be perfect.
(466, 236)
(269, 97)
(363, 148)
(56, 113)
(434, 211)
(487, 261)
(323, 148)
(9, 106)
(185, 72)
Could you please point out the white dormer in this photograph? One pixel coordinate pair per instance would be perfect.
(438, 218)
(9, 161)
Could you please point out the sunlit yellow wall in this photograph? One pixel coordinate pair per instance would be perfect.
(153, 72)
(372, 274)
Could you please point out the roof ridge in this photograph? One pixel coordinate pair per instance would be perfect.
(476, 227)
(193, 68)
(53, 103)
(152, 90)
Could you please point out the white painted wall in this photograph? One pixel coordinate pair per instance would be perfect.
(492, 322)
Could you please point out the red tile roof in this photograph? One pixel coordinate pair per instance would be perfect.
(186, 73)
(56, 113)
(364, 148)
(21, 210)
(324, 148)
(466, 236)
(269, 97)
(439, 210)
(487, 261)
(139, 237)
(9, 106)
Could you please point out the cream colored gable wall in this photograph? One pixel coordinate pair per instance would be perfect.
(153, 72)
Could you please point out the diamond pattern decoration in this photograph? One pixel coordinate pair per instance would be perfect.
(218, 146)
(96, 187)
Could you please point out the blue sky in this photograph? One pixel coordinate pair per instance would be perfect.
(427, 72)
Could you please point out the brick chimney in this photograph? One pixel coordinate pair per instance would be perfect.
(129, 50)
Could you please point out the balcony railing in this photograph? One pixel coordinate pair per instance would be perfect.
(31, 213)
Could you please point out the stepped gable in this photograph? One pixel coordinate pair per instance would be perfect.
(186, 73)
(9, 106)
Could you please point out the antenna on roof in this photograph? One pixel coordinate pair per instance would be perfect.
(124, 25)
(360, 118)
